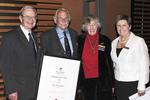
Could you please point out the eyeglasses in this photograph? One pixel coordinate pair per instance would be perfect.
(63, 19)
(29, 17)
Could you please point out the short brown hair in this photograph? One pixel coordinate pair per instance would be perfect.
(123, 17)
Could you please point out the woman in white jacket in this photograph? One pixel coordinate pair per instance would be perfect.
(130, 60)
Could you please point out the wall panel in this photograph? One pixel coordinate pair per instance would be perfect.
(9, 11)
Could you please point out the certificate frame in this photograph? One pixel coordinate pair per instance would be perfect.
(146, 96)
(58, 79)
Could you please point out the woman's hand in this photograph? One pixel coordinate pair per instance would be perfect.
(141, 92)
(13, 96)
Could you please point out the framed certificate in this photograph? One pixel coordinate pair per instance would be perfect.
(58, 79)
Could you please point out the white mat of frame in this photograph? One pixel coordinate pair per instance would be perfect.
(58, 79)
(144, 97)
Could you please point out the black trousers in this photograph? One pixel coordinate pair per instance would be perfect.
(89, 89)
(125, 89)
(92, 90)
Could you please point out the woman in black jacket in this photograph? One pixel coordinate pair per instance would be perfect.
(96, 72)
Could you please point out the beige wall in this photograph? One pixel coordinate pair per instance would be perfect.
(113, 8)
(76, 10)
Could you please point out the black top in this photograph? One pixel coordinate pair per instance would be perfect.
(118, 51)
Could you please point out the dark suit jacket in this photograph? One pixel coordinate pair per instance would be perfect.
(53, 47)
(105, 62)
(18, 65)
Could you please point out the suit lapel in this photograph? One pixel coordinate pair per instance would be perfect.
(57, 41)
(115, 47)
(73, 41)
(35, 42)
(20, 35)
(22, 38)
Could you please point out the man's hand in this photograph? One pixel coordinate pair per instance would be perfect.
(13, 96)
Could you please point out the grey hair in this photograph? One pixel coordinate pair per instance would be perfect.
(25, 8)
(87, 21)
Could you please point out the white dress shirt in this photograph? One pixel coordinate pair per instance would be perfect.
(61, 38)
(26, 32)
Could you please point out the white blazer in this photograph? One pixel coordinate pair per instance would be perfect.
(132, 64)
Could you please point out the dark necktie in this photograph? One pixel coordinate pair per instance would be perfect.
(67, 46)
(32, 45)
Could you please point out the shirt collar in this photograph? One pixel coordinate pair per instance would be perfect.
(25, 31)
(60, 31)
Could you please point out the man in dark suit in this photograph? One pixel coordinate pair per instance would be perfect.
(54, 41)
(19, 54)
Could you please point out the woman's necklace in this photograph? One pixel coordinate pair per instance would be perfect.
(93, 46)
(122, 42)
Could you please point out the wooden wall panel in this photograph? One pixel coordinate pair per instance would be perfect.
(9, 11)
(46, 10)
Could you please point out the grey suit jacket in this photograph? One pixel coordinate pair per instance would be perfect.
(52, 46)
